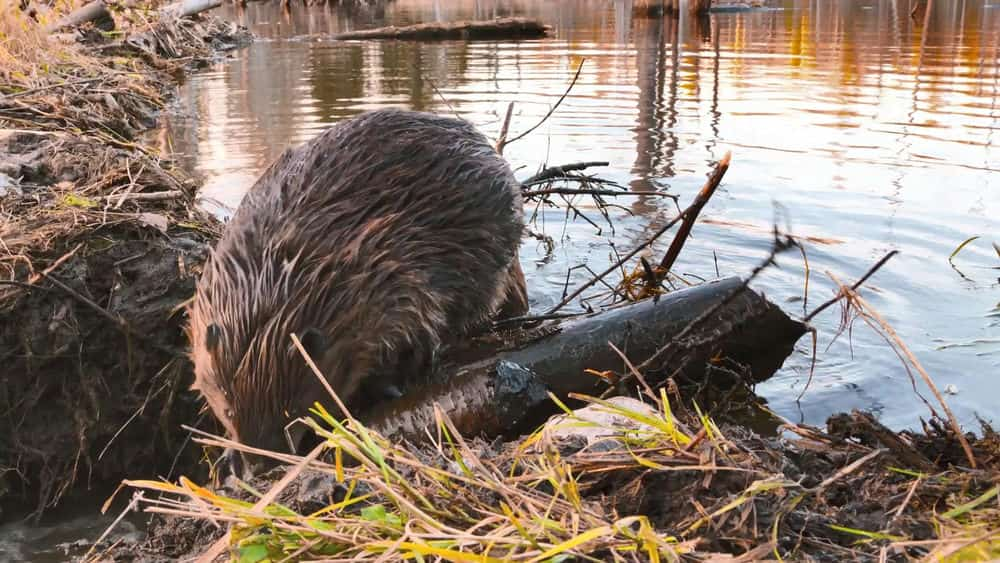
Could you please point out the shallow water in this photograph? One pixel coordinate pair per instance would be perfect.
(862, 128)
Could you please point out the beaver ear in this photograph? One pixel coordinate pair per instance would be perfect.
(314, 342)
(212, 336)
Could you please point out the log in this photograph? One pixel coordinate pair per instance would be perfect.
(95, 11)
(500, 28)
(187, 8)
(504, 393)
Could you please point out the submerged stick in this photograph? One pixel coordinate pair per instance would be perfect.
(486, 29)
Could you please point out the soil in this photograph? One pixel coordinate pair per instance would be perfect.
(100, 247)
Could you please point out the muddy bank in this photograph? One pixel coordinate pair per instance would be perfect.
(615, 480)
(101, 243)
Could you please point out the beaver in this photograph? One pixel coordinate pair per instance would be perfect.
(387, 235)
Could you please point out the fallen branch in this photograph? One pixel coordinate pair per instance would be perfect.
(505, 28)
(556, 171)
(508, 391)
(188, 8)
(96, 11)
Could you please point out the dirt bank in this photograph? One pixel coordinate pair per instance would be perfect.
(617, 480)
(100, 243)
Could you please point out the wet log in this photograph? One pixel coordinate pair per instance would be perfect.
(500, 28)
(504, 393)
(187, 8)
(96, 11)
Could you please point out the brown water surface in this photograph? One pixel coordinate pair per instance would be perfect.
(860, 127)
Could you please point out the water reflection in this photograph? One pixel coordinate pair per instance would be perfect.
(874, 130)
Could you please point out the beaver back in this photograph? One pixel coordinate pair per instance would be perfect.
(378, 237)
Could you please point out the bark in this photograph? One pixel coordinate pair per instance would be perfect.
(95, 11)
(500, 28)
(494, 393)
(187, 8)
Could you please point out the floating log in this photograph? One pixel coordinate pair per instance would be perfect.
(500, 28)
(505, 392)
(95, 11)
(187, 8)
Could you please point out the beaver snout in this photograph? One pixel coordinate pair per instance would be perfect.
(245, 466)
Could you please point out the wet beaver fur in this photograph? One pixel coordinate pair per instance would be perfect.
(386, 235)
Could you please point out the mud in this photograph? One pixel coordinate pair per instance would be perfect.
(100, 244)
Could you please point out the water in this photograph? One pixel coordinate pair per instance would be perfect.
(862, 128)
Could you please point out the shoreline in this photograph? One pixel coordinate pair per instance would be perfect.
(102, 243)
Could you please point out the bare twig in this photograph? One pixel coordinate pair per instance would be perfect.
(854, 287)
(576, 191)
(692, 214)
(562, 170)
(504, 141)
(53, 266)
(887, 328)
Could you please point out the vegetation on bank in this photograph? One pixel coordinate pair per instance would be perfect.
(100, 242)
(618, 481)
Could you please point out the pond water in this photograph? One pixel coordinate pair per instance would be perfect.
(861, 128)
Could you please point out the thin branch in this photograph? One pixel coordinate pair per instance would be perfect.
(854, 287)
(562, 170)
(692, 215)
(576, 191)
(504, 141)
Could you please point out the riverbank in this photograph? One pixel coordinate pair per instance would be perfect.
(101, 244)
(618, 480)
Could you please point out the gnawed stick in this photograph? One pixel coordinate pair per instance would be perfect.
(490, 393)
(187, 8)
(691, 215)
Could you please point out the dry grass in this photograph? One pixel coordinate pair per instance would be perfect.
(649, 485)
(99, 243)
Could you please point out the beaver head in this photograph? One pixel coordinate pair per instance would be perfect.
(247, 367)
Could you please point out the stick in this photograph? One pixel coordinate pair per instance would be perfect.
(574, 191)
(52, 267)
(553, 171)
(692, 215)
(502, 140)
(625, 258)
(878, 265)
(143, 196)
(485, 29)
(186, 8)
(553, 109)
